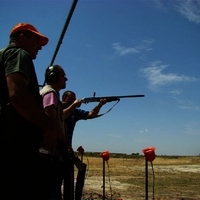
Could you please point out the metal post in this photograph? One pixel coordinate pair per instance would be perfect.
(104, 179)
(146, 182)
(149, 156)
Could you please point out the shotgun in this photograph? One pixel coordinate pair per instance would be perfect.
(108, 98)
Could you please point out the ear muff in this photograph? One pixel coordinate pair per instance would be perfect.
(51, 75)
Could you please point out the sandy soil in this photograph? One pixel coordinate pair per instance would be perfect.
(93, 188)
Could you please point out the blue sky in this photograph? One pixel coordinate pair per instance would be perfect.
(124, 47)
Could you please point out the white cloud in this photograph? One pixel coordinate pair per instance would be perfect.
(144, 130)
(189, 107)
(122, 51)
(158, 3)
(186, 105)
(190, 9)
(176, 91)
(156, 77)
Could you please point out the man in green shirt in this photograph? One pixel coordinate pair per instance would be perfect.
(23, 122)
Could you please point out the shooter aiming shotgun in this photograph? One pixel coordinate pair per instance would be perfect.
(108, 99)
(75, 117)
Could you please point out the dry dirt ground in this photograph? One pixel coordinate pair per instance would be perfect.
(133, 186)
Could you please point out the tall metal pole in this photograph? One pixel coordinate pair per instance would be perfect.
(62, 34)
(64, 30)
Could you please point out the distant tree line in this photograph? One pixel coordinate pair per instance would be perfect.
(113, 155)
(132, 155)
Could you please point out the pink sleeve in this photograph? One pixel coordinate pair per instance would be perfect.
(50, 99)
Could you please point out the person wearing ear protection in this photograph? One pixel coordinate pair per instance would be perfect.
(55, 79)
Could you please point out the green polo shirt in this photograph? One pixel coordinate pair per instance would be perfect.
(18, 60)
